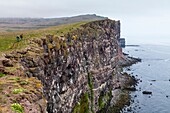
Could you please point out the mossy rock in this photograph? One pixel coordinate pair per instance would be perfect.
(83, 105)
(123, 100)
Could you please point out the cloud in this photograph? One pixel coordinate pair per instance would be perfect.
(45, 8)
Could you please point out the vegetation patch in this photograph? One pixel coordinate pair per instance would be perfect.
(83, 105)
(17, 108)
(104, 99)
(15, 78)
(17, 91)
(24, 82)
(2, 75)
(101, 102)
(11, 69)
(90, 83)
(7, 95)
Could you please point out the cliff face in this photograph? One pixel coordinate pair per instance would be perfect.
(79, 70)
(86, 68)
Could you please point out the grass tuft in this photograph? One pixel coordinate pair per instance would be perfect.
(2, 75)
(17, 108)
(17, 91)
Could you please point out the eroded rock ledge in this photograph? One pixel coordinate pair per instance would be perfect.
(81, 70)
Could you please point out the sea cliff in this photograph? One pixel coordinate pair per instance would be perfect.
(79, 71)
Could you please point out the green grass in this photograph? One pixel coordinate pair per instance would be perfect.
(23, 82)
(17, 91)
(2, 75)
(83, 105)
(8, 39)
(90, 83)
(17, 108)
(101, 102)
(15, 78)
(104, 99)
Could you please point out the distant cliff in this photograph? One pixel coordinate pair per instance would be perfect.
(81, 70)
(16, 24)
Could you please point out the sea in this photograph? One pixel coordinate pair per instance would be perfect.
(154, 76)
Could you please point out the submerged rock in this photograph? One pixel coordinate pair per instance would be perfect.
(131, 89)
(147, 92)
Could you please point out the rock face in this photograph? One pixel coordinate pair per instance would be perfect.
(79, 70)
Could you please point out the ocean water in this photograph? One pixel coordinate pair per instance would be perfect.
(154, 75)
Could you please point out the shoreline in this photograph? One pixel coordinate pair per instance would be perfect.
(128, 84)
(154, 79)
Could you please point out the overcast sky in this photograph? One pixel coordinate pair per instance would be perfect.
(142, 20)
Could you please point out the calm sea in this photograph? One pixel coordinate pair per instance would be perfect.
(154, 75)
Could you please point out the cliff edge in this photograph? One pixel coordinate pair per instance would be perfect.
(78, 71)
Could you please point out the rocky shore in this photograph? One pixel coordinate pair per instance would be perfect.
(80, 71)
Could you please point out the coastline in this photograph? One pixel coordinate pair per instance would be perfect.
(153, 73)
(124, 83)
(127, 83)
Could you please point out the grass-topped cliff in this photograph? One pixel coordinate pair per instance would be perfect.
(19, 93)
(67, 68)
(8, 39)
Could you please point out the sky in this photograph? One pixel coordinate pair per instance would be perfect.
(142, 21)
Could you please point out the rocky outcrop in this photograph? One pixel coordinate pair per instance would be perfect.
(81, 70)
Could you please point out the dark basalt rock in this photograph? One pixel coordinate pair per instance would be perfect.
(130, 89)
(147, 92)
(7, 63)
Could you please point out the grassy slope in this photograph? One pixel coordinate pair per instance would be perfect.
(18, 24)
(8, 40)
